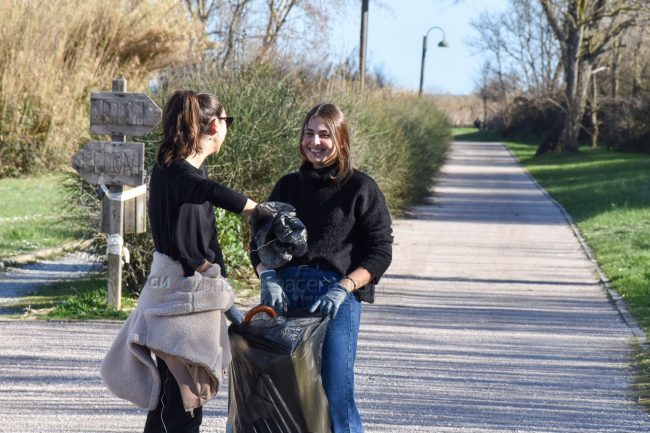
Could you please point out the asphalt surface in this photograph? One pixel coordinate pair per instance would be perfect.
(491, 319)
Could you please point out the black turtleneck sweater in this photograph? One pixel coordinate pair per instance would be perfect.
(348, 224)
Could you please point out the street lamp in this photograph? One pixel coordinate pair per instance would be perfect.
(443, 43)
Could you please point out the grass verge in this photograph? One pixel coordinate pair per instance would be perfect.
(84, 298)
(32, 216)
(607, 194)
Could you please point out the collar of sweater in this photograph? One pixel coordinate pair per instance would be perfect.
(318, 176)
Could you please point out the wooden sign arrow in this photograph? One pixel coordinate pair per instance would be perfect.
(121, 113)
(100, 162)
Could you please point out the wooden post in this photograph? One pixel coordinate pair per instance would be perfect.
(120, 165)
(115, 232)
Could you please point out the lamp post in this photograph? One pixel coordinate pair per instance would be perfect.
(443, 43)
(363, 43)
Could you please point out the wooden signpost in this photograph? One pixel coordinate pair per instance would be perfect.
(104, 163)
(119, 113)
(116, 166)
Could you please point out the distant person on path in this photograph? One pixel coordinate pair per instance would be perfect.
(350, 247)
(180, 311)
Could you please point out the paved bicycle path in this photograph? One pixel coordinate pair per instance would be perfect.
(490, 319)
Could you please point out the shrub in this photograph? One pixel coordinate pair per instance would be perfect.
(533, 117)
(625, 124)
(427, 137)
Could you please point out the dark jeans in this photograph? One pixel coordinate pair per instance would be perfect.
(303, 286)
(170, 415)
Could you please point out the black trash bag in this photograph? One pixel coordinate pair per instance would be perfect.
(278, 233)
(274, 377)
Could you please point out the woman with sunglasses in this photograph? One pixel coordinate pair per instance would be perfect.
(350, 247)
(180, 313)
(181, 212)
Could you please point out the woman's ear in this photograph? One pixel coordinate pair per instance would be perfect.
(213, 126)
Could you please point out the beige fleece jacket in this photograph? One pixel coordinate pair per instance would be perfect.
(178, 316)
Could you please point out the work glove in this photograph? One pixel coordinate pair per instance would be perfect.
(235, 316)
(330, 302)
(271, 291)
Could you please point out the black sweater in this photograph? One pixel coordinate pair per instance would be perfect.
(348, 224)
(181, 214)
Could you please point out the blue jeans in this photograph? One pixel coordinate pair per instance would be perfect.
(303, 286)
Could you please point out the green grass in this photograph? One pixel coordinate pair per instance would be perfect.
(473, 134)
(79, 299)
(32, 215)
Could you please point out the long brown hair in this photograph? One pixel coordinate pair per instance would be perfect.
(335, 121)
(185, 118)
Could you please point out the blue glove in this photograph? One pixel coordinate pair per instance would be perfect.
(271, 291)
(235, 316)
(330, 302)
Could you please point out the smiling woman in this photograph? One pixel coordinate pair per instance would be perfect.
(350, 248)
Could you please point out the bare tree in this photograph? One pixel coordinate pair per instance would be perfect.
(277, 13)
(232, 32)
(524, 58)
(522, 45)
(585, 30)
(253, 30)
(491, 90)
(202, 10)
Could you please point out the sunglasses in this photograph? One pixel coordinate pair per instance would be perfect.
(228, 119)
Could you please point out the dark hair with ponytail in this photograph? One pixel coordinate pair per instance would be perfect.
(185, 118)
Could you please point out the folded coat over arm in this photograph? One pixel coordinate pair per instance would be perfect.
(178, 317)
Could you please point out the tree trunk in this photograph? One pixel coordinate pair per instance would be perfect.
(576, 95)
(571, 54)
(594, 112)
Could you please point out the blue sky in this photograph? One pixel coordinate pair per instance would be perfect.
(395, 42)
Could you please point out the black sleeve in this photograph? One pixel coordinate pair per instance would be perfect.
(375, 233)
(197, 190)
(254, 257)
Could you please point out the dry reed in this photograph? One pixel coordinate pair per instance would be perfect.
(53, 54)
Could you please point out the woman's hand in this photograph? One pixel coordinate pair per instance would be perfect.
(235, 316)
(356, 279)
(272, 293)
(204, 266)
(330, 302)
(249, 208)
